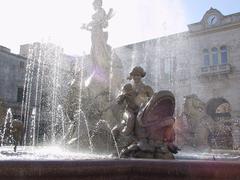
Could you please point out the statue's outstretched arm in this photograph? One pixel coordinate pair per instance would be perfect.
(110, 13)
(86, 27)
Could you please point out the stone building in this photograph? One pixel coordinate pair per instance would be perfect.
(26, 69)
(12, 72)
(205, 60)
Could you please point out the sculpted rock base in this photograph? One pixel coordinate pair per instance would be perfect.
(149, 150)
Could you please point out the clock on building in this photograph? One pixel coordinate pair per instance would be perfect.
(212, 19)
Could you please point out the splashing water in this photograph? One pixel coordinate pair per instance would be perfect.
(5, 138)
(45, 88)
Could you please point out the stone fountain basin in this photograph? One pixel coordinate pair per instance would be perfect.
(25, 164)
(119, 169)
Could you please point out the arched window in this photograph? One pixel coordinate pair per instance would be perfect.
(215, 56)
(206, 58)
(224, 58)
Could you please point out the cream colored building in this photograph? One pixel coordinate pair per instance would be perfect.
(205, 60)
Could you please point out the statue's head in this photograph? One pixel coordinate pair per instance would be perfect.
(137, 73)
(97, 4)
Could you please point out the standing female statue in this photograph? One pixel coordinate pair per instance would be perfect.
(100, 51)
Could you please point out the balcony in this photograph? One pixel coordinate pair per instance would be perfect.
(216, 69)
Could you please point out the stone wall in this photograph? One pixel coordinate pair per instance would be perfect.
(12, 71)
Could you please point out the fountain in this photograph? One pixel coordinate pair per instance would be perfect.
(76, 130)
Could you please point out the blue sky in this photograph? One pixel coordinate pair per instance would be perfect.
(59, 21)
(195, 9)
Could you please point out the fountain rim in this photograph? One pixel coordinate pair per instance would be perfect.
(115, 168)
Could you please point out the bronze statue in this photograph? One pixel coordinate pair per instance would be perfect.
(144, 92)
(147, 129)
(134, 95)
(128, 96)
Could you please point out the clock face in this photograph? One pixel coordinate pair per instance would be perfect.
(212, 19)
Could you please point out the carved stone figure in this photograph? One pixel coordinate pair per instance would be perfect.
(147, 129)
(136, 95)
(207, 126)
(100, 79)
(100, 51)
(194, 126)
(144, 92)
(128, 96)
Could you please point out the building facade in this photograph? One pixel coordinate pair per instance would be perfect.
(205, 60)
(36, 67)
(12, 73)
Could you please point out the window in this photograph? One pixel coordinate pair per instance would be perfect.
(215, 56)
(22, 65)
(19, 94)
(206, 57)
(224, 55)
